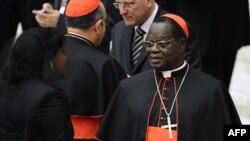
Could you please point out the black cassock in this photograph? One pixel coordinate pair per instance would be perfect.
(91, 77)
(203, 106)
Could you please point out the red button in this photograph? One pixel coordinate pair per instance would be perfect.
(162, 118)
(166, 89)
(164, 98)
(169, 79)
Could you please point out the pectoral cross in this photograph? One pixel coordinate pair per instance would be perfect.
(169, 126)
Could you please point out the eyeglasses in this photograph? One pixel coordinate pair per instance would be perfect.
(160, 44)
(127, 5)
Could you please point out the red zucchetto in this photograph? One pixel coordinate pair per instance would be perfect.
(77, 8)
(180, 21)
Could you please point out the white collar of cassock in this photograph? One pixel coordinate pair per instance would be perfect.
(167, 74)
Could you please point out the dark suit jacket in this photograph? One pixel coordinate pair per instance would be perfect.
(122, 38)
(34, 111)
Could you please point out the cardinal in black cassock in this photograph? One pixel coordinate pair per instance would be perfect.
(172, 102)
(91, 75)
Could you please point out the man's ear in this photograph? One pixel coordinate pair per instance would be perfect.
(150, 3)
(98, 25)
(182, 43)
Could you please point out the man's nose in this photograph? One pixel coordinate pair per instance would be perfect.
(122, 10)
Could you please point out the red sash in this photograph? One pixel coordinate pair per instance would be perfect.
(160, 134)
(85, 127)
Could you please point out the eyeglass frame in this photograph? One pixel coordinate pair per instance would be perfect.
(127, 5)
(165, 43)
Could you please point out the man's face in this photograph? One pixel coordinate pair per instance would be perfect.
(162, 48)
(134, 12)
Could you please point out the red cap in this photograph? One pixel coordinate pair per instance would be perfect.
(181, 22)
(77, 8)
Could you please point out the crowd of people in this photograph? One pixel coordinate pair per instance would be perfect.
(120, 70)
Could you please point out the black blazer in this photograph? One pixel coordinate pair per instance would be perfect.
(122, 38)
(34, 111)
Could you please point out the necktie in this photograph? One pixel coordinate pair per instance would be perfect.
(137, 44)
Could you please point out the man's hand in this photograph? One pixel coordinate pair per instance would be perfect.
(47, 16)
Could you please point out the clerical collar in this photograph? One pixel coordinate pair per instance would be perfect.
(167, 74)
(81, 37)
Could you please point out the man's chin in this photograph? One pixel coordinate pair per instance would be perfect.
(129, 23)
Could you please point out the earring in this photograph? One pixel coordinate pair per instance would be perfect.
(51, 65)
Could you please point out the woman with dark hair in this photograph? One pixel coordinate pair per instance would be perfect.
(31, 107)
